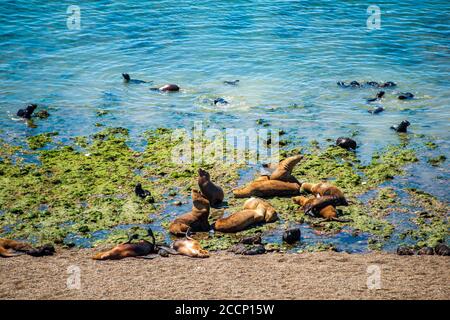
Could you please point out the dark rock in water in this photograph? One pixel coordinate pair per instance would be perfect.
(231, 83)
(220, 101)
(46, 250)
(346, 143)
(402, 127)
(144, 194)
(405, 251)
(426, 251)
(376, 110)
(27, 112)
(292, 235)
(406, 96)
(251, 240)
(379, 96)
(43, 114)
(442, 250)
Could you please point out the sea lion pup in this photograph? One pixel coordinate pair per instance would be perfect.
(167, 88)
(128, 249)
(346, 143)
(212, 192)
(378, 97)
(326, 194)
(402, 127)
(264, 187)
(127, 79)
(196, 220)
(283, 172)
(27, 112)
(189, 247)
(11, 248)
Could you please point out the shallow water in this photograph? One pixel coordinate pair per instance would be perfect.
(283, 52)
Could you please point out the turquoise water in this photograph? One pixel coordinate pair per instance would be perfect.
(283, 53)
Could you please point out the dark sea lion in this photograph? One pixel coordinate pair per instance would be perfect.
(27, 112)
(220, 101)
(291, 235)
(197, 219)
(128, 249)
(372, 84)
(405, 251)
(402, 127)
(167, 88)
(143, 194)
(329, 212)
(353, 84)
(231, 83)
(268, 188)
(326, 194)
(45, 250)
(377, 110)
(442, 250)
(378, 97)
(406, 96)
(127, 79)
(426, 251)
(212, 192)
(346, 143)
(256, 239)
(283, 171)
(388, 84)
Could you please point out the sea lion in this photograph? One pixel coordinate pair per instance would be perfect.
(291, 235)
(12, 248)
(220, 101)
(329, 212)
(270, 215)
(378, 97)
(353, 84)
(402, 127)
(264, 187)
(231, 83)
(283, 172)
(197, 219)
(127, 79)
(167, 88)
(27, 112)
(426, 251)
(346, 143)
(190, 247)
(442, 250)
(406, 96)
(377, 110)
(212, 192)
(326, 194)
(405, 251)
(388, 84)
(128, 249)
(45, 250)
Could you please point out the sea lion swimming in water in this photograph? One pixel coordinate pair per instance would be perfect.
(197, 219)
(254, 211)
(128, 249)
(231, 83)
(220, 101)
(406, 96)
(212, 192)
(326, 194)
(167, 88)
(377, 110)
(402, 127)
(346, 143)
(127, 79)
(27, 112)
(379, 96)
(356, 84)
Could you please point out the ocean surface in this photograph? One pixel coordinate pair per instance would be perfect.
(284, 53)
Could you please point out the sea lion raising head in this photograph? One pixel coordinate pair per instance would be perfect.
(127, 79)
(283, 172)
(27, 112)
(212, 192)
(378, 97)
(196, 220)
(402, 127)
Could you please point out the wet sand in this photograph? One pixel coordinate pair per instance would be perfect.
(324, 275)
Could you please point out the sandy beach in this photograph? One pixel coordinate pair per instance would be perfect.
(322, 275)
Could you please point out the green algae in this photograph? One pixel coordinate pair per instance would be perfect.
(436, 161)
(40, 140)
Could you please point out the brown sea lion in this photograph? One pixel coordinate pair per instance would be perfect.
(283, 172)
(169, 88)
(268, 188)
(328, 212)
(197, 219)
(270, 214)
(128, 249)
(190, 247)
(11, 248)
(326, 194)
(212, 192)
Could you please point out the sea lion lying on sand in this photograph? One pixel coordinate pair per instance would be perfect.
(197, 219)
(254, 211)
(189, 247)
(128, 249)
(212, 192)
(11, 248)
(326, 195)
(280, 183)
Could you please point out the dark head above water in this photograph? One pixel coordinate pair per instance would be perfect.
(376, 110)
(379, 96)
(406, 96)
(346, 143)
(27, 112)
(231, 83)
(402, 127)
(127, 79)
(220, 101)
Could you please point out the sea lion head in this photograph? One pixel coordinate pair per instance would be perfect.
(126, 77)
(203, 174)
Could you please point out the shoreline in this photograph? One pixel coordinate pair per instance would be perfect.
(318, 275)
